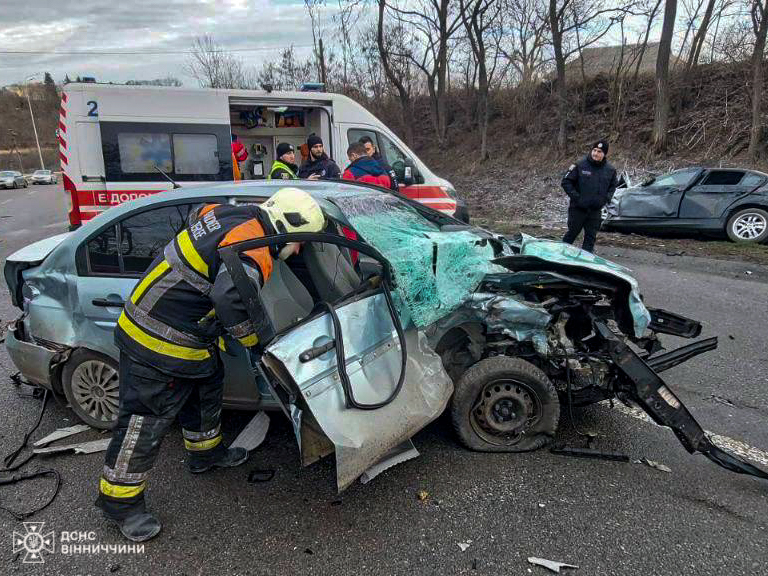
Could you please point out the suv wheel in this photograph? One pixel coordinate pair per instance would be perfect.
(91, 385)
(504, 404)
(748, 225)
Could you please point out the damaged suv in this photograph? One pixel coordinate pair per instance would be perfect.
(387, 318)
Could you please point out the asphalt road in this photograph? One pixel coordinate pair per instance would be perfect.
(607, 518)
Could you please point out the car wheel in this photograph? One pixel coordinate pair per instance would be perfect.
(748, 225)
(91, 385)
(504, 404)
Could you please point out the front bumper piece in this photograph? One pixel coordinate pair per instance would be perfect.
(649, 391)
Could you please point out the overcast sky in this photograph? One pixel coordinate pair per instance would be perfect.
(140, 26)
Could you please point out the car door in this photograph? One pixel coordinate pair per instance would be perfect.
(323, 423)
(716, 191)
(660, 198)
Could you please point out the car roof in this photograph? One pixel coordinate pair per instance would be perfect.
(321, 190)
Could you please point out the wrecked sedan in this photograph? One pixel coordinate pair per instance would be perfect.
(713, 201)
(387, 318)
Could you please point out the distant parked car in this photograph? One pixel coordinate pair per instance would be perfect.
(713, 201)
(43, 177)
(12, 179)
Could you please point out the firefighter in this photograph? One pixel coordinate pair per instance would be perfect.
(169, 336)
(285, 165)
(318, 165)
(364, 168)
(590, 184)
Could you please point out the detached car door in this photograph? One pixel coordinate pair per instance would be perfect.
(716, 191)
(322, 420)
(660, 198)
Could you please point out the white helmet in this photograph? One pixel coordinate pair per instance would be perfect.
(293, 210)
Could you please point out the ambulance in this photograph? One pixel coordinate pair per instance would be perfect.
(118, 143)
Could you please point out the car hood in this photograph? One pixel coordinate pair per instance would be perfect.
(36, 252)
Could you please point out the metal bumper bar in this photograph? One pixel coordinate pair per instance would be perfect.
(648, 390)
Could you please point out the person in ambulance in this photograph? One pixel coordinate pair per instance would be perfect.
(169, 336)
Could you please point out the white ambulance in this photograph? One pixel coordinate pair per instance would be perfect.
(117, 141)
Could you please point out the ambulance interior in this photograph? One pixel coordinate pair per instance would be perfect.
(260, 127)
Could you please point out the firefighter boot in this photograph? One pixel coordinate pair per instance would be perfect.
(218, 457)
(139, 527)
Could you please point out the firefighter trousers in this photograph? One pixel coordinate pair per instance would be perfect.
(150, 401)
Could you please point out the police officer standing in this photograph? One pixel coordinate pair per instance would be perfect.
(590, 184)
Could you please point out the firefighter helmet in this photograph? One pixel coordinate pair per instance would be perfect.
(293, 210)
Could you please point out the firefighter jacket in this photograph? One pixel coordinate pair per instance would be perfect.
(178, 312)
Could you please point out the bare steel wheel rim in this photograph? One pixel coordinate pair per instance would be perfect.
(749, 226)
(504, 411)
(95, 387)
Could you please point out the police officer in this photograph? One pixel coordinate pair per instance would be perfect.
(285, 166)
(169, 336)
(590, 184)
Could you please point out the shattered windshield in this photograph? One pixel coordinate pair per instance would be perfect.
(435, 271)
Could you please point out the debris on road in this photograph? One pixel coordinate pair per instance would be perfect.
(254, 433)
(257, 475)
(62, 433)
(422, 495)
(721, 400)
(654, 464)
(79, 448)
(549, 564)
(589, 453)
(464, 545)
(399, 454)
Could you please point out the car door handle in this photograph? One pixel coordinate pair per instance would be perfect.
(103, 302)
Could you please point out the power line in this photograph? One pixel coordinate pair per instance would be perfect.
(142, 53)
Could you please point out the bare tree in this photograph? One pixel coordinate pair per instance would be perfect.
(214, 67)
(313, 9)
(566, 18)
(650, 12)
(525, 23)
(396, 64)
(698, 39)
(759, 13)
(434, 22)
(661, 112)
(480, 19)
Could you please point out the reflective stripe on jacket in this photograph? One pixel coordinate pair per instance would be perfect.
(279, 170)
(186, 301)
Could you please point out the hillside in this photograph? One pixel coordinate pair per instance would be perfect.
(709, 124)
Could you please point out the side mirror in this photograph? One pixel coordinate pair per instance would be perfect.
(411, 173)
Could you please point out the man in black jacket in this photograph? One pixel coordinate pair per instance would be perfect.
(318, 166)
(590, 184)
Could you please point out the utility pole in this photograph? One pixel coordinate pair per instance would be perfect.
(34, 128)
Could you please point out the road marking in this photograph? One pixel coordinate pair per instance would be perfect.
(736, 446)
(31, 192)
(5, 201)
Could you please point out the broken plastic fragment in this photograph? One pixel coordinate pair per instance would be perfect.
(549, 564)
(253, 434)
(464, 545)
(422, 495)
(657, 465)
(62, 433)
(81, 448)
